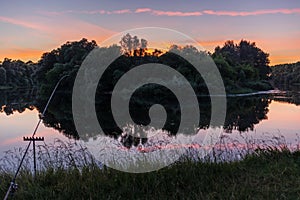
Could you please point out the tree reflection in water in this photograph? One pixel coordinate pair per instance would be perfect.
(243, 113)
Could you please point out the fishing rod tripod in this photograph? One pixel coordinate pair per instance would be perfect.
(13, 186)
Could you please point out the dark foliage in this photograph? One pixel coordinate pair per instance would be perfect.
(16, 73)
(286, 74)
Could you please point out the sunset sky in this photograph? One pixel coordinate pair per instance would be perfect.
(29, 28)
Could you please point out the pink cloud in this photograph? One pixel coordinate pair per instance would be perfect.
(142, 10)
(88, 12)
(167, 13)
(252, 13)
(180, 13)
(124, 11)
(47, 36)
(21, 23)
(175, 13)
(102, 12)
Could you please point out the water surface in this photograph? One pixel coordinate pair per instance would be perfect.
(249, 117)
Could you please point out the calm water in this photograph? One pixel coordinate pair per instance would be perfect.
(254, 117)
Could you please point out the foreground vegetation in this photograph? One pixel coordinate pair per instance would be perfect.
(267, 174)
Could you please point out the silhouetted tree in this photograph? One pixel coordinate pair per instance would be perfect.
(132, 46)
(61, 61)
(245, 54)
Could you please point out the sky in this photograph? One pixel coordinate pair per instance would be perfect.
(29, 28)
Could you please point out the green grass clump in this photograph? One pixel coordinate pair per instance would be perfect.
(266, 174)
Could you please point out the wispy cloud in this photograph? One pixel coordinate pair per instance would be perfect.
(252, 13)
(88, 12)
(167, 13)
(142, 10)
(21, 23)
(45, 34)
(179, 13)
(125, 11)
(218, 13)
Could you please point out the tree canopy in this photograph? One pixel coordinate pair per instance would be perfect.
(245, 54)
(243, 65)
(133, 46)
(61, 61)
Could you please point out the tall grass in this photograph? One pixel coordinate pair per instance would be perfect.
(68, 171)
(57, 155)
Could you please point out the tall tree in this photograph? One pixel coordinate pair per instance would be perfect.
(245, 54)
(133, 46)
(64, 60)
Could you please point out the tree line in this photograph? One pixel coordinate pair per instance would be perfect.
(244, 67)
(286, 74)
(16, 73)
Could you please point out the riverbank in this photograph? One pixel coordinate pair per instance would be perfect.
(268, 174)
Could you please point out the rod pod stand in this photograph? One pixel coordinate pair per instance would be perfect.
(13, 186)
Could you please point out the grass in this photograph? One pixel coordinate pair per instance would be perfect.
(265, 174)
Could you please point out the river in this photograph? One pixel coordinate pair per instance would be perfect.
(271, 118)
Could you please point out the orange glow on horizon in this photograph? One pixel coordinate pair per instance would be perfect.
(284, 59)
(267, 46)
(35, 55)
(24, 55)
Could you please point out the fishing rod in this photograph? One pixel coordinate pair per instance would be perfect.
(13, 185)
